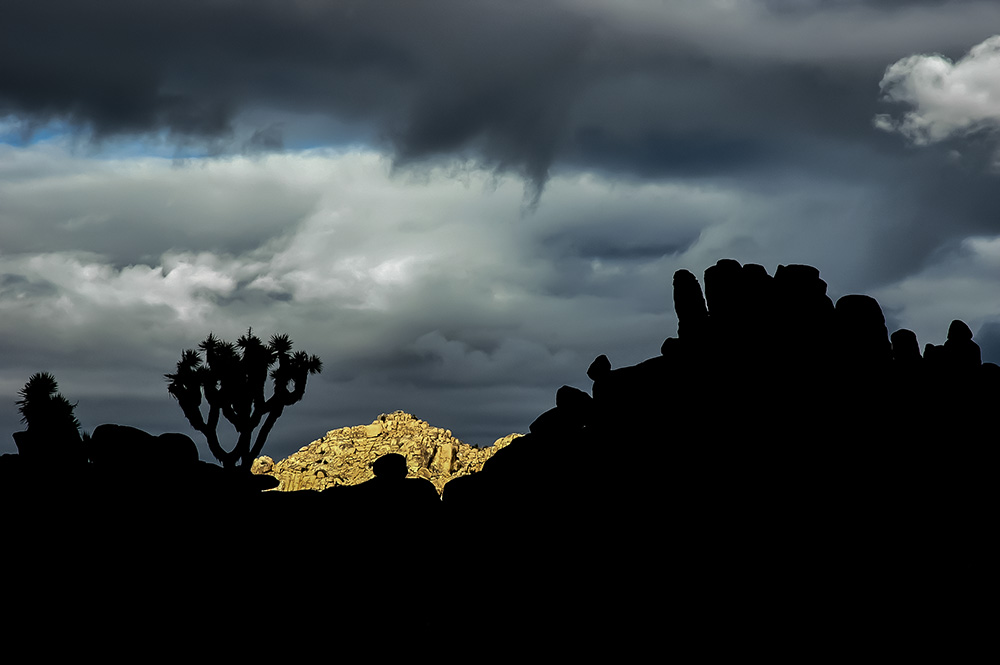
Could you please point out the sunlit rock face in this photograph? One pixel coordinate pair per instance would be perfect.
(344, 456)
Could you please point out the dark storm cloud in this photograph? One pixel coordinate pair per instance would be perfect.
(435, 77)
(267, 139)
(650, 88)
(665, 154)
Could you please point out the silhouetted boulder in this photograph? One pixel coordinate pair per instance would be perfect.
(962, 353)
(121, 446)
(758, 311)
(671, 345)
(689, 305)
(390, 467)
(553, 421)
(126, 456)
(801, 284)
(574, 410)
(801, 299)
(905, 348)
(959, 332)
(862, 338)
(728, 304)
(177, 449)
(724, 293)
(935, 356)
(756, 277)
(577, 405)
(600, 368)
(391, 489)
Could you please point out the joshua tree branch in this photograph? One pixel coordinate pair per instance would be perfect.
(232, 379)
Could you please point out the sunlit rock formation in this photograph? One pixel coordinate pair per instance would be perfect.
(344, 456)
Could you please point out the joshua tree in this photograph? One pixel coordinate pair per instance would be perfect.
(52, 429)
(232, 378)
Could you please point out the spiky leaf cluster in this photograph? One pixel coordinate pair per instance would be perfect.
(42, 407)
(231, 379)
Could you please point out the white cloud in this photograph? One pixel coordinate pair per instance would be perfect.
(948, 98)
(82, 288)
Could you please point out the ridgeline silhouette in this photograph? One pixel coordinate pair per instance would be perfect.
(806, 484)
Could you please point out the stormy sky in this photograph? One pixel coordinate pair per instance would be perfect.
(458, 204)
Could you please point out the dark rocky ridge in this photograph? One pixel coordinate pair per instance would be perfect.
(801, 482)
(805, 483)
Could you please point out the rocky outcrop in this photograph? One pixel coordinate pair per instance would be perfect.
(344, 456)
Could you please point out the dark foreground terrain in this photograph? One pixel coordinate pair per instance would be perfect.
(820, 489)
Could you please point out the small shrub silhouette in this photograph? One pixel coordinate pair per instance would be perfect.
(232, 379)
(53, 432)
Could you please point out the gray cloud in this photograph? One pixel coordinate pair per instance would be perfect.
(666, 136)
(408, 288)
(51, 201)
(426, 293)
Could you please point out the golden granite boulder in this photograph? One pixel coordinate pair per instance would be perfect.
(344, 456)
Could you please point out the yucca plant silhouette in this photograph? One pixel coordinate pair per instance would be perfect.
(52, 428)
(231, 378)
